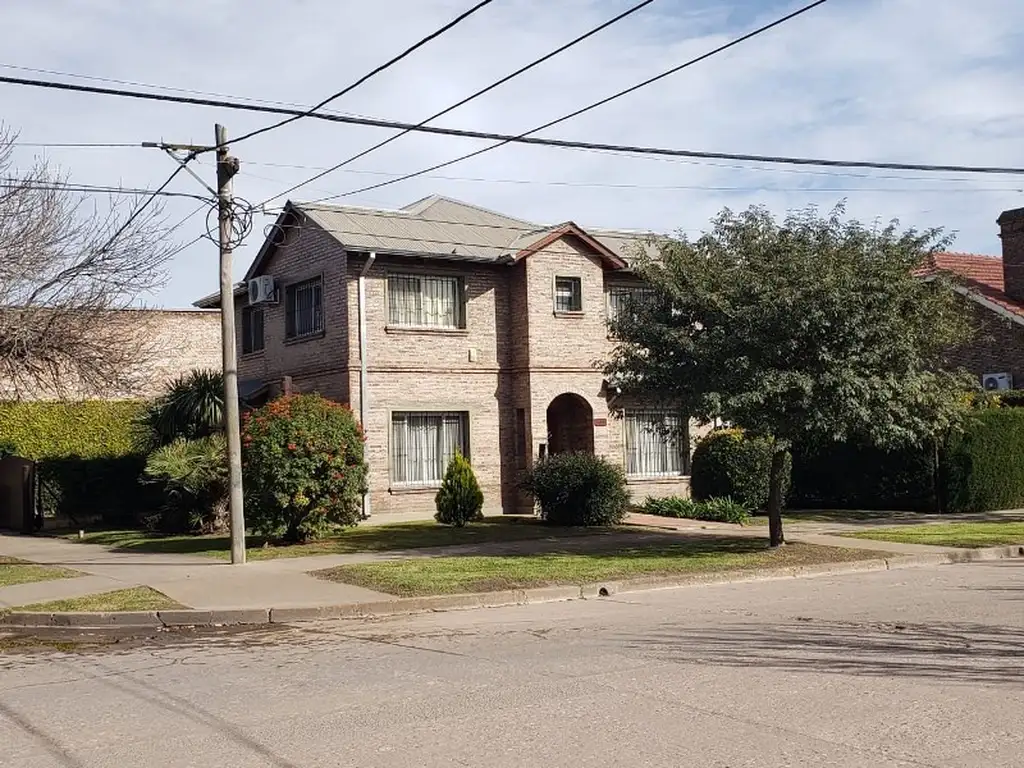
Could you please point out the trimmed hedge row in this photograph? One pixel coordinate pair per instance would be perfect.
(85, 452)
(983, 468)
(854, 476)
(978, 469)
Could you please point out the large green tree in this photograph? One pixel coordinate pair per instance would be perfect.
(811, 329)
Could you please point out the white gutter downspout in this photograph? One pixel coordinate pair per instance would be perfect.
(364, 388)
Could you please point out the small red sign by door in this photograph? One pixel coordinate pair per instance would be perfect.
(600, 422)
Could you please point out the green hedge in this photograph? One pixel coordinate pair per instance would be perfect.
(728, 464)
(855, 476)
(976, 470)
(983, 468)
(88, 429)
(85, 452)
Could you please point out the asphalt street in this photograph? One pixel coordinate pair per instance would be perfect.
(921, 667)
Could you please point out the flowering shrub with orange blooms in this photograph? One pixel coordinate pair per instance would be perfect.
(303, 467)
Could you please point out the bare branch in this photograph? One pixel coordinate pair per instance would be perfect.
(70, 272)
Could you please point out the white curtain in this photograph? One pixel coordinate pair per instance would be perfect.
(432, 302)
(655, 444)
(422, 444)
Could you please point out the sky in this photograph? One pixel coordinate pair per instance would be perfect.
(919, 81)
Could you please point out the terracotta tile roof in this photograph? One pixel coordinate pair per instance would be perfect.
(980, 274)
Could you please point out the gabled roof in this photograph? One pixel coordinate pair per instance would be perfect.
(980, 278)
(443, 228)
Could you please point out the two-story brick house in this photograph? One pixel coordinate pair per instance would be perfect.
(449, 327)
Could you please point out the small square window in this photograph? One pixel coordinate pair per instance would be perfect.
(568, 294)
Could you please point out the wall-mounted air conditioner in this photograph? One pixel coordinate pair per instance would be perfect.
(993, 382)
(262, 290)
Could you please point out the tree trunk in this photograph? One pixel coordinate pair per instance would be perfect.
(776, 477)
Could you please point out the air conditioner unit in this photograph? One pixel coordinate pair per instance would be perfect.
(996, 381)
(261, 290)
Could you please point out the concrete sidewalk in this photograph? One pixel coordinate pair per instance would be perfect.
(192, 580)
(206, 583)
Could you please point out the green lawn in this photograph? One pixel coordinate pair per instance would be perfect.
(365, 538)
(451, 575)
(14, 571)
(968, 535)
(133, 599)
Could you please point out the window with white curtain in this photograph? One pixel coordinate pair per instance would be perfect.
(426, 301)
(422, 444)
(621, 296)
(657, 444)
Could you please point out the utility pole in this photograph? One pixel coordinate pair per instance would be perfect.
(227, 167)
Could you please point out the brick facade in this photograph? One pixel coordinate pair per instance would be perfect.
(514, 355)
(997, 347)
(164, 344)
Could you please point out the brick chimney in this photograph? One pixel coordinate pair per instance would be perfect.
(1011, 230)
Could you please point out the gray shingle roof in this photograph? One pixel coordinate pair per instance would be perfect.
(445, 228)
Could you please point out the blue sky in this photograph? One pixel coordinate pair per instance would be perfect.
(931, 81)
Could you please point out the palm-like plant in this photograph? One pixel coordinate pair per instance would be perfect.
(194, 474)
(192, 407)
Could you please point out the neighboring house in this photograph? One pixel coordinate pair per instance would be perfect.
(449, 327)
(156, 345)
(996, 289)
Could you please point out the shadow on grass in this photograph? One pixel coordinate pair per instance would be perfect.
(893, 518)
(385, 537)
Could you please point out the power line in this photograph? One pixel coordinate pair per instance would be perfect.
(619, 149)
(798, 171)
(596, 104)
(672, 187)
(372, 73)
(142, 207)
(481, 92)
(72, 145)
(171, 88)
(12, 183)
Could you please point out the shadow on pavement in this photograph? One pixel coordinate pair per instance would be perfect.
(950, 652)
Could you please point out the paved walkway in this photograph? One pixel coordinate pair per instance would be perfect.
(192, 580)
(205, 583)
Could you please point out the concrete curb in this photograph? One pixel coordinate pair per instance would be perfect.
(157, 620)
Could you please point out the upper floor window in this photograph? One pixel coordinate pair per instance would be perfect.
(620, 297)
(657, 444)
(568, 294)
(426, 301)
(252, 330)
(304, 308)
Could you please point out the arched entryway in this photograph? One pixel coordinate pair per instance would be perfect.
(570, 425)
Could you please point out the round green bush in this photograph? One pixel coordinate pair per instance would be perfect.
(579, 489)
(459, 500)
(728, 464)
(303, 469)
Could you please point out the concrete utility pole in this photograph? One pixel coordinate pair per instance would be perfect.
(227, 167)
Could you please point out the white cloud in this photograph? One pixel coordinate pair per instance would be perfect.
(914, 80)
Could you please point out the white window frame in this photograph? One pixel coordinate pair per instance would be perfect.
(635, 473)
(441, 455)
(459, 320)
(578, 283)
